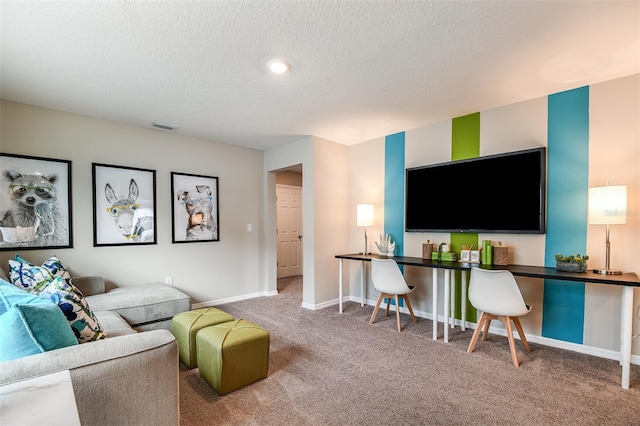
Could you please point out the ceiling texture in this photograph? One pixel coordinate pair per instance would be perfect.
(360, 69)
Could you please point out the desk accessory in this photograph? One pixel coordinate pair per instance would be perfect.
(365, 218)
(608, 206)
(500, 254)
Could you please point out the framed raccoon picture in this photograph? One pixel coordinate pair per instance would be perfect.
(194, 208)
(124, 205)
(35, 203)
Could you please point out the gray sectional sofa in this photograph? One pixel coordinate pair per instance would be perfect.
(129, 378)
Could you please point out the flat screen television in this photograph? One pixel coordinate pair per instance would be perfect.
(502, 193)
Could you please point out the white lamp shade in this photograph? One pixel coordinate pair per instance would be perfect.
(608, 205)
(365, 215)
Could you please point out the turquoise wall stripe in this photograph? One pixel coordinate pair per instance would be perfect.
(567, 189)
(394, 153)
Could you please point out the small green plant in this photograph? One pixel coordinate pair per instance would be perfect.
(578, 259)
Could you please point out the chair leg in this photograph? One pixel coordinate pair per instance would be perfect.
(395, 297)
(375, 310)
(388, 303)
(516, 321)
(487, 323)
(476, 334)
(512, 343)
(406, 299)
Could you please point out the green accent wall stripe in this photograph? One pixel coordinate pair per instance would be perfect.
(394, 153)
(567, 189)
(465, 143)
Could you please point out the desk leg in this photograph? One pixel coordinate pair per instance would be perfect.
(447, 296)
(362, 285)
(626, 334)
(463, 300)
(434, 305)
(340, 287)
(453, 299)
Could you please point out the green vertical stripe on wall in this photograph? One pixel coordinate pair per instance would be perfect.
(567, 189)
(465, 143)
(394, 190)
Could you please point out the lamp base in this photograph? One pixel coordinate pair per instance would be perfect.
(606, 272)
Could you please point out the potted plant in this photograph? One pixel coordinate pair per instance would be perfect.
(571, 263)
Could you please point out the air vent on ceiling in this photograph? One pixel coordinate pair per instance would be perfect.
(168, 127)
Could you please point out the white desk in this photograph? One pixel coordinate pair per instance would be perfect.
(45, 400)
(627, 281)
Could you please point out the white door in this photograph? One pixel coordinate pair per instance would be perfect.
(289, 230)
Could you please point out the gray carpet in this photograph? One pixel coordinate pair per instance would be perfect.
(331, 369)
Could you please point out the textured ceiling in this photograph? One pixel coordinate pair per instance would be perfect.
(360, 69)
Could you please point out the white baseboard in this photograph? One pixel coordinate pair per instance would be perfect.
(232, 299)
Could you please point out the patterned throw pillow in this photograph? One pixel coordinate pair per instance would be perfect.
(53, 281)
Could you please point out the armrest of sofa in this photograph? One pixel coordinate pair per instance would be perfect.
(130, 379)
(89, 285)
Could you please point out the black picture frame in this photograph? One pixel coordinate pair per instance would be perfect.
(194, 208)
(35, 203)
(124, 205)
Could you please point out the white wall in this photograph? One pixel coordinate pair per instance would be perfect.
(207, 271)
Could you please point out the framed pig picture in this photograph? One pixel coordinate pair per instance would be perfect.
(194, 208)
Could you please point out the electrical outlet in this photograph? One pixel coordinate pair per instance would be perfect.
(169, 280)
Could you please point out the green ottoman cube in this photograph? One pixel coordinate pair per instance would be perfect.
(185, 325)
(232, 355)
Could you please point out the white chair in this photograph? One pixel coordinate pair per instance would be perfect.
(389, 281)
(497, 295)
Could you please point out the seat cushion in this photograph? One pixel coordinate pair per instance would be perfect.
(142, 304)
(114, 325)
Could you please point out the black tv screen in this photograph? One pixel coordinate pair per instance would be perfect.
(502, 193)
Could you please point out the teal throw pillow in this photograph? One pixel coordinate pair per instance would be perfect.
(53, 281)
(31, 325)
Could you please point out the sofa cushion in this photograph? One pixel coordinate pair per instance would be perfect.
(53, 281)
(114, 325)
(142, 304)
(30, 324)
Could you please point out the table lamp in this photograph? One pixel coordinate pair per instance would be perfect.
(608, 206)
(365, 218)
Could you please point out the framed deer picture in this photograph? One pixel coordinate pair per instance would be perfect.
(124, 205)
(194, 208)
(35, 203)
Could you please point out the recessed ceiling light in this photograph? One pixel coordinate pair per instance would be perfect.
(278, 66)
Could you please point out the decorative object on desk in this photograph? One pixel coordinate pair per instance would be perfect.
(500, 254)
(487, 252)
(465, 255)
(447, 257)
(427, 249)
(608, 206)
(577, 263)
(386, 246)
(364, 219)
(474, 256)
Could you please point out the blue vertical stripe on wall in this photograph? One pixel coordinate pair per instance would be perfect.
(567, 189)
(394, 189)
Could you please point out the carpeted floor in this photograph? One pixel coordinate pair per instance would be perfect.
(328, 368)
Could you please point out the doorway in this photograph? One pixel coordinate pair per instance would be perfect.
(289, 236)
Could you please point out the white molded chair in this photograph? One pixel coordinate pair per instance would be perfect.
(497, 295)
(389, 281)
